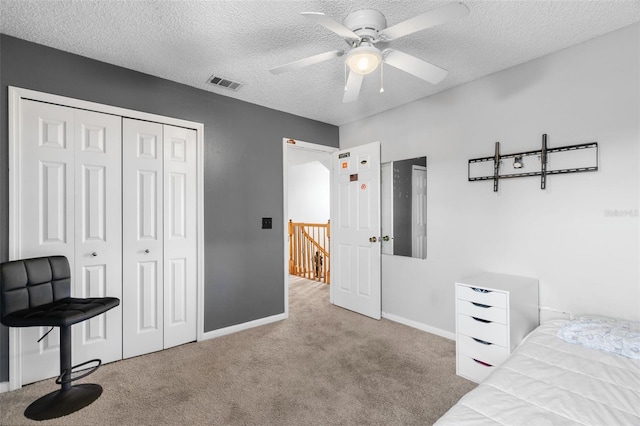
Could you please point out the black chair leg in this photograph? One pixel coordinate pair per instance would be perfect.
(67, 399)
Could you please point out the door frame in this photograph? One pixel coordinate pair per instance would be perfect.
(16, 94)
(422, 169)
(307, 146)
(386, 206)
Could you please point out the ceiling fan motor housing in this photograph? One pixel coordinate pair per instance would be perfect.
(366, 24)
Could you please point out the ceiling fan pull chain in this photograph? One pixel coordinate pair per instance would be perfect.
(381, 77)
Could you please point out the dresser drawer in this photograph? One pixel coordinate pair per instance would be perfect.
(489, 353)
(485, 312)
(492, 332)
(491, 298)
(473, 369)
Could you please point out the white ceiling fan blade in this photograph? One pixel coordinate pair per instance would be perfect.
(425, 20)
(332, 25)
(300, 63)
(352, 90)
(407, 63)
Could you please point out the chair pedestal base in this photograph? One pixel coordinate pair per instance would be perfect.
(62, 402)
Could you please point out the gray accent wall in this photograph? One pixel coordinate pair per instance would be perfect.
(244, 264)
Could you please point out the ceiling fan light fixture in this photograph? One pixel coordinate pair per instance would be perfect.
(363, 59)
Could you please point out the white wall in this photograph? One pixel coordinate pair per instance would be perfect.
(309, 197)
(587, 260)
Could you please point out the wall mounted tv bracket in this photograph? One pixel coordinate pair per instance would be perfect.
(553, 161)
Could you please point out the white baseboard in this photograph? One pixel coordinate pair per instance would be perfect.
(4, 387)
(244, 326)
(420, 326)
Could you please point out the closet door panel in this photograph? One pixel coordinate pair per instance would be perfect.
(46, 180)
(70, 205)
(98, 232)
(143, 267)
(46, 222)
(179, 235)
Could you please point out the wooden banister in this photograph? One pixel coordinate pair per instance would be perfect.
(309, 250)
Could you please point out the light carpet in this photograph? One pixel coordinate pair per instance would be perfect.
(322, 366)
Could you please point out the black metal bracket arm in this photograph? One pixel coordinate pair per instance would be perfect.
(543, 154)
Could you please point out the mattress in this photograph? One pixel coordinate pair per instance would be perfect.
(547, 381)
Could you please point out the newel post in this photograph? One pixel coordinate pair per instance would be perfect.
(291, 263)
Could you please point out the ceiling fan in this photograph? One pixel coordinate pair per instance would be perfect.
(362, 30)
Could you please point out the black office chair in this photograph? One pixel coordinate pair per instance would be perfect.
(37, 292)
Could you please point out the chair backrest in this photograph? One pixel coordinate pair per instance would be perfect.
(29, 283)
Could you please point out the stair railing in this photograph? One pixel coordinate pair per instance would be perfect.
(309, 250)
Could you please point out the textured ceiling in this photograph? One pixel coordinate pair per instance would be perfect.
(188, 41)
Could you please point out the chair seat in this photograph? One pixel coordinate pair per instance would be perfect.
(61, 313)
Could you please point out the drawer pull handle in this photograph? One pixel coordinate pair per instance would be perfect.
(482, 341)
(480, 305)
(481, 320)
(482, 363)
(480, 290)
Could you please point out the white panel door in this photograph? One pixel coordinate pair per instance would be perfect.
(70, 205)
(98, 232)
(419, 211)
(179, 236)
(46, 221)
(355, 229)
(142, 245)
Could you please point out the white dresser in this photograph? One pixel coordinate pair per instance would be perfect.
(493, 313)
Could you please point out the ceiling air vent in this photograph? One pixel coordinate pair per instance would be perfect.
(224, 82)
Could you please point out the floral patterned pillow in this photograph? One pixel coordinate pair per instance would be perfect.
(607, 334)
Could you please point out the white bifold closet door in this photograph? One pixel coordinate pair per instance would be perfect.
(70, 204)
(159, 240)
(117, 197)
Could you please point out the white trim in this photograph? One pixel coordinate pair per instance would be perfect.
(420, 326)
(200, 231)
(285, 202)
(241, 327)
(15, 363)
(4, 387)
(107, 109)
(15, 95)
(14, 172)
(285, 219)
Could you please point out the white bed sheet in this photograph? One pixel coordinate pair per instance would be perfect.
(547, 381)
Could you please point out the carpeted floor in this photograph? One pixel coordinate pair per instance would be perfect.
(322, 366)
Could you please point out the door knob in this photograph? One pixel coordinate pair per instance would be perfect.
(385, 238)
(147, 251)
(94, 254)
(373, 239)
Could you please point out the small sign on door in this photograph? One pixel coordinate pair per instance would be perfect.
(353, 177)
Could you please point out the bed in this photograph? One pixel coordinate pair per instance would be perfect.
(549, 381)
